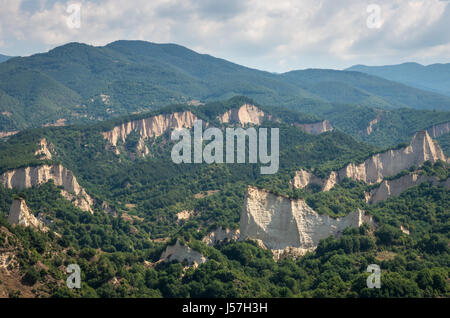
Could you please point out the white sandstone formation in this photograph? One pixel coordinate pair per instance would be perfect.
(182, 253)
(395, 187)
(281, 223)
(20, 214)
(389, 163)
(43, 152)
(141, 149)
(316, 128)
(221, 234)
(108, 209)
(185, 215)
(439, 130)
(245, 115)
(150, 127)
(422, 148)
(33, 176)
(304, 178)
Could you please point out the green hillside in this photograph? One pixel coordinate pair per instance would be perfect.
(147, 193)
(4, 58)
(81, 83)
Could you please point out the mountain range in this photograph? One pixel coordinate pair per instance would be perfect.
(4, 58)
(87, 177)
(77, 83)
(434, 77)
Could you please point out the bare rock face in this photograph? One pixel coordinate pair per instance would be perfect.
(304, 178)
(373, 122)
(281, 223)
(180, 253)
(108, 209)
(422, 148)
(439, 130)
(316, 128)
(20, 214)
(395, 187)
(150, 127)
(32, 176)
(43, 152)
(330, 181)
(221, 234)
(246, 114)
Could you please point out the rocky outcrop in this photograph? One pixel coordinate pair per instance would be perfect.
(422, 148)
(439, 130)
(245, 115)
(373, 170)
(182, 253)
(33, 176)
(303, 178)
(44, 152)
(149, 127)
(395, 187)
(316, 128)
(330, 181)
(108, 209)
(281, 223)
(20, 214)
(221, 234)
(373, 122)
(185, 215)
(8, 133)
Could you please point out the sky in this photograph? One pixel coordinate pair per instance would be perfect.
(272, 35)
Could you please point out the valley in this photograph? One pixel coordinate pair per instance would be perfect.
(87, 177)
(110, 197)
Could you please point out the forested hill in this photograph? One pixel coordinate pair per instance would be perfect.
(77, 83)
(434, 77)
(143, 204)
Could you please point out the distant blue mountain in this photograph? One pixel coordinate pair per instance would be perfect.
(435, 77)
(4, 58)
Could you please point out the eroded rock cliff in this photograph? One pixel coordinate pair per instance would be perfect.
(373, 170)
(32, 176)
(149, 127)
(246, 114)
(422, 148)
(372, 123)
(182, 253)
(316, 128)
(20, 214)
(395, 187)
(44, 152)
(439, 130)
(281, 223)
(303, 178)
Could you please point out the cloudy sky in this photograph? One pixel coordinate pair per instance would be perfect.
(274, 35)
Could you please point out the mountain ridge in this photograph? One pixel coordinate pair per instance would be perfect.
(81, 83)
(433, 77)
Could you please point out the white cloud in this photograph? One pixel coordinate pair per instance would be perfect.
(274, 35)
